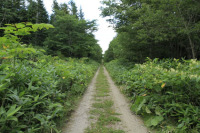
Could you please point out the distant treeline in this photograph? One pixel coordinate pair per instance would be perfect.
(153, 28)
(72, 36)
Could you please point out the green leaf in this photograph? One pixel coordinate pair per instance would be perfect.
(12, 110)
(181, 125)
(12, 118)
(21, 93)
(153, 120)
(20, 25)
(2, 110)
(36, 98)
(3, 40)
(29, 24)
(158, 110)
(139, 103)
(3, 87)
(40, 118)
(147, 110)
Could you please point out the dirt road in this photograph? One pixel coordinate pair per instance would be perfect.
(80, 119)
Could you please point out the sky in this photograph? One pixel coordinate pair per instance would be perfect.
(91, 10)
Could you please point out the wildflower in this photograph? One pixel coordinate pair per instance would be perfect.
(63, 77)
(4, 47)
(4, 58)
(163, 85)
(144, 95)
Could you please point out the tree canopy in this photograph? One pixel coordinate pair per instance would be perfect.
(154, 28)
(72, 36)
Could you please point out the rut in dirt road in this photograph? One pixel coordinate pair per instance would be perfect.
(122, 118)
(80, 118)
(131, 122)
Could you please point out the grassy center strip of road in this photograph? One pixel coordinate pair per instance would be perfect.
(103, 116)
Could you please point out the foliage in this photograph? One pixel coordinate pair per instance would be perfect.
(154, 28)
(72, 37)
(36, 90)
(36, 13)
(18, 11)
(163, 90)
(12, 12)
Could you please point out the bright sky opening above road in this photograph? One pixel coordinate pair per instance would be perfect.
(91, 10)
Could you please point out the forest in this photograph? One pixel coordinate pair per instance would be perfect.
(48, 60)
(154, 29)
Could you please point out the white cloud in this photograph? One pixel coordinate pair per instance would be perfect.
(105, 34)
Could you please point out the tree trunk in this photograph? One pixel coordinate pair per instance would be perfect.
(192, 47)
(188, 34)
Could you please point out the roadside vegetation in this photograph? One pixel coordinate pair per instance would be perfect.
(37, 90)
(164, 92)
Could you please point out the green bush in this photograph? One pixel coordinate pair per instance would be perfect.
(36, 94)
(163, 90)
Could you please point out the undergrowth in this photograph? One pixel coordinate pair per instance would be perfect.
(165, 92)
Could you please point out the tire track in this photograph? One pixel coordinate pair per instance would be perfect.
(80, 118)
(131, 122)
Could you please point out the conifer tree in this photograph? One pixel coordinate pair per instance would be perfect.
(55, 7)
(74, 10)
(12, 12)
(37, 14)
(81, 14)
(74, 35)
(42, 15)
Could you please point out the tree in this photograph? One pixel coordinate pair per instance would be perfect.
(64, 7)
(154, 28)
(37, 14)
(12, 12)
(72, 37)
(74, 10)
(95, 53)
(81, 14)
(55, 8)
